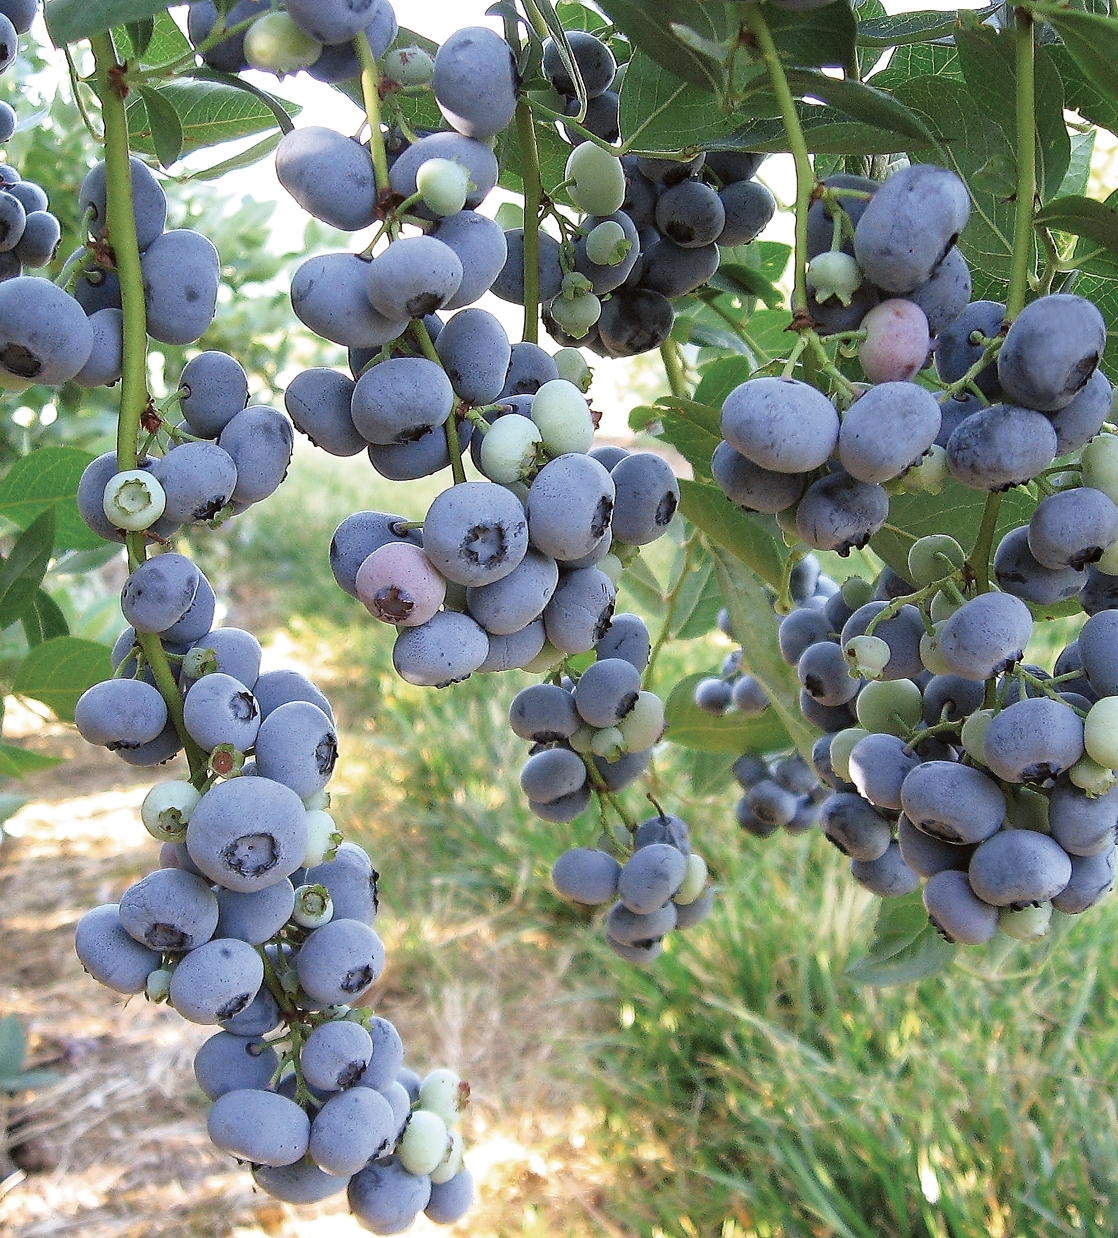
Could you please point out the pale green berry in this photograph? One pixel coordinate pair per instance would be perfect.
(563, 416)
(275, 44)
(930, 654)
(313, 907)
(834, 274)
(1092, 777)
(889, 707)
(973, 733)
(166, 810)
(1100, 732)
(597, 180)
(134, 500)
(424, 1143)
(547, 657)
(572, 366)
(408, 67)
(608, 743)
(856, 592)
(613, 567)
(508, 449)
(943, 606)
(1029, 924)
(582, 741)
(575, 315)
(607, 245)
(158, 984)
(867, 656)
(930, 475)
(444, 1093)
(1028, 810)
(694, 881)
(933, 557)
(643, 725)
(444, 185)
(319, 800)
(842, 745)
(1108, 563)
(198, 662)
(451, 1164)
(321, 832)
(1100, 464)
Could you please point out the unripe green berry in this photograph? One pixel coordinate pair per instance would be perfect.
(582, 741)
(598, 180)
(1100, 732)
(158, 984)
(408, 67)
(890, 707)
(1100, 464)
(856, 592)
(444, 185)
(321, 835)
(576, 315)
(930, 475)
(508, 449)
(319, 800)
(973, 734)
(608, 743)
(643, 725)
(563, 416)
(424, 1143)
(942, 607)
(451, 1164)
(930, 655)
(867, 656)
(694, 880)
(613, 568)
(166, 810)
(313, 907)
(444, 1093)
(933, 557)
(1108, 562)
(834, 274)
(1029, 924)
(1092, 777)
(275, 44)
(842, 745)
(547, 657)
(134, 500)
(607, 245)
(572, 366)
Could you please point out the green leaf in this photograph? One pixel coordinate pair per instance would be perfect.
(167, 43)
(140, 34)
(43, 619)
(745, 282)
(70, 20)
(1078, 174)
(211, 109)
(662, 113)
(1081, 94)
(956, 511)
(166, 128)
(48, 477)
(711, 511)
(755, 628)
(643, 586)
(813, 38)
(18, 762)
(967, 140)
(1091, 41)
(552, 151)
(918, 60)
(254, 154)
(13, 1045)
(24, 569)
(733, 733)
(826, 131)
(697, 602)
(898, 28)
(10, 805)
(1084, 217)
(925, 955)
(1102, 289)
(28, 1079)
(649, 29)
(693, 442)
(988, 60)
(58, 671)
(709, 772)
(720, 377)
(863, 103)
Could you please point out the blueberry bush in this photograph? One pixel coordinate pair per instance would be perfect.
(880, 489)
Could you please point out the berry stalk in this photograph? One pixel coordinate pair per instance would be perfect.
(370, 90)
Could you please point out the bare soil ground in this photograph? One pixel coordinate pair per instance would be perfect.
(117, 1148)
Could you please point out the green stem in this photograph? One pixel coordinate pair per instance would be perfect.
(984, 543)
(370, 90)
(126, 248)
(805, 175)
(669, 615)
(457, 469)
(673, 368)
(1026, 166)
(548, 113)
(533, 192)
